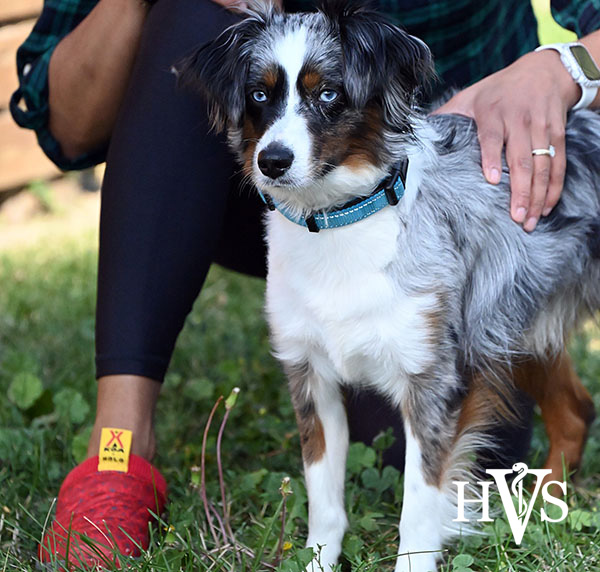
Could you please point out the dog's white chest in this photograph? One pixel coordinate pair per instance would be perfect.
(333, 302)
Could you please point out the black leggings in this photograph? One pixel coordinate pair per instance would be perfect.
(171, 205)
(170, 201)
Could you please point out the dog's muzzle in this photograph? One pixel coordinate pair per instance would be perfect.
(274, 160)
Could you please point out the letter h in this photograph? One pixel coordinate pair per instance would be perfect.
(484, 501)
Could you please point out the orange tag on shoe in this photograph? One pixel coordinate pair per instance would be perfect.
(115, 446)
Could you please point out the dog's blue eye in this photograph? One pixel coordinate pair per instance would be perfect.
(259, 96)
(328, 95)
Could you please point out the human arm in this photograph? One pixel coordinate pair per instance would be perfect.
(90, 69)
(89, 72)
(88, 75)
(59, 29)
(524, 107)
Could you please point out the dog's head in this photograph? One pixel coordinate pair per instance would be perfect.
(312, 101)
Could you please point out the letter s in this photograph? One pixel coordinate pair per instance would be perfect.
(555, 501)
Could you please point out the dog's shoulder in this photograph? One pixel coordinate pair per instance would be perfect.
(454, 133)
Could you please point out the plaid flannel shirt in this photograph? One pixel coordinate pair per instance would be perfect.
(469, 39)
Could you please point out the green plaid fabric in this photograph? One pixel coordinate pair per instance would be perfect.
(470, 39)
(29, 104)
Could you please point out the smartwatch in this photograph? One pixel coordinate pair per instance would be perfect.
(582, 67)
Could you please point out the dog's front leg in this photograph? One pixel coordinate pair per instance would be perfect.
(430, 411)
(323, 426)
(420, 534)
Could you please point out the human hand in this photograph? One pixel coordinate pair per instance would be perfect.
(524, 107)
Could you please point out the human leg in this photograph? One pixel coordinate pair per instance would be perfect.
(164, 200)
(127, 402)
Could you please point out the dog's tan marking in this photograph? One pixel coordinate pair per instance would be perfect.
(249, 132)
(363, 147)
(270, 77)
(250, 137)
(566, 405)
(435, 318)
(312, 436)
(311, 80)
(483, 407)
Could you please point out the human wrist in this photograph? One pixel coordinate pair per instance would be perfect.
(578, 60)
(568, 89)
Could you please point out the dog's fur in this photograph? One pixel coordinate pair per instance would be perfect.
(436, 302)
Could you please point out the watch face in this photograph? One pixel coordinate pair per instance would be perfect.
(588, 67)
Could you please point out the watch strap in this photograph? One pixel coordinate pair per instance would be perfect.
(589, 89)
(588, 94)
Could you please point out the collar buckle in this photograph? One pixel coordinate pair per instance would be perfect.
(389, 187)
(389, 190)
(311, 223)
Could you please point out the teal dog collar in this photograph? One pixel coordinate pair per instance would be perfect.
(388, 192)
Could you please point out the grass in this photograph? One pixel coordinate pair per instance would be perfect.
(46, 372)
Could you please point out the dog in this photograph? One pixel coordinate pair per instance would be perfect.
(393, 264)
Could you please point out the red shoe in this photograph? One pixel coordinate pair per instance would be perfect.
(100, 513)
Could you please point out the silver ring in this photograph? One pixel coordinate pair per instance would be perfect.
(550, 151)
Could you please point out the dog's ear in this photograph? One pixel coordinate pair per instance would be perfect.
(380, 60)
(219, 69)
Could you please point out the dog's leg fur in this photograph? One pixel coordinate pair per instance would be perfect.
(421, 535)
(566, 405)
(431, 409)
(323, 426)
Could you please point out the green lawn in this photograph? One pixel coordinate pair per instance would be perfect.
(46, 342)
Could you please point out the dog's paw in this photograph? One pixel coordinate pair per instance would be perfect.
(416, 562)
(324, 560)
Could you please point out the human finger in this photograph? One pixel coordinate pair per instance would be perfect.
(490, 132)
(539, 188)
(557, 168)
(542, 153)
(520, 165)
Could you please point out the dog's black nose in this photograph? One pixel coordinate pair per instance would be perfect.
(274, 160)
